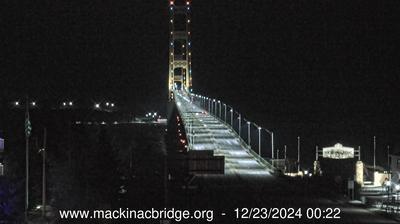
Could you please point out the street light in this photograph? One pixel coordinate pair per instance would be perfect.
(259, 142)
(209, 105)
(213, 107)
(231, 117)
(33, 103)
(97, 105)
(70, 103)
(248, 133)
(219, 105)
(298, 154)
(16, 103)
(225, 112)
(240, 124)
(272, 141)
(397, 187)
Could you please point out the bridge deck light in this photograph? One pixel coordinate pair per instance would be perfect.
(70, 103)
(16, 103)
(33, 103)
(97, 105)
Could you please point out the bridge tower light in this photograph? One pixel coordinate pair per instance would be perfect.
(179, 51)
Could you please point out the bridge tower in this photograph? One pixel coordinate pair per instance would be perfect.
(180, 72)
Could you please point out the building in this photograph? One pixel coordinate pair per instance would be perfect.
(395, 166)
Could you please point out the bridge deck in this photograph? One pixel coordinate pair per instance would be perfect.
(205, 132)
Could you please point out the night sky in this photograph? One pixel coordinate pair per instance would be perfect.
(316, 62)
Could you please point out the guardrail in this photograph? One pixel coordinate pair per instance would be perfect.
(258, 140)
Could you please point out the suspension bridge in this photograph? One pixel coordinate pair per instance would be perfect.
(209, 123)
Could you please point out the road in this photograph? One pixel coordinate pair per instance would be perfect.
(205, 132)
(248, 181)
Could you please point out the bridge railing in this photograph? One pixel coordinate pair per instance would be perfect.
(256, 138)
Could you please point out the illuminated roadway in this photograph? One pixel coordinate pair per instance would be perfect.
(205, 132)
(248, 175)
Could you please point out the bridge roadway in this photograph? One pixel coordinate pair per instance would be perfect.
(206, 132)
(248, 181)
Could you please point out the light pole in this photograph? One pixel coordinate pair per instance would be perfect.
(27, 135)
(374, 153)
(298, 154)
(272, 141)
(240, 124)
(213, 106)
(209, 105)
(232, 117)
(397, 187)
(259, 141)
(44, 173)
(225, 112)
(219, 106)
(248, 133)
(388, 160)
(284, 156)
(285, 153)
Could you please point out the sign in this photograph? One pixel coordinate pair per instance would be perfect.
(338, 151)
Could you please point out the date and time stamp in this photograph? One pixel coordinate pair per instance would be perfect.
(287, 213)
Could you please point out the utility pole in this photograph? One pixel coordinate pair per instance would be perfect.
(44, 174)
